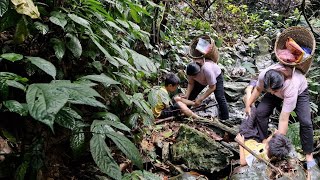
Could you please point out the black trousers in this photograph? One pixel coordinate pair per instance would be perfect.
(248, 127)
(219, 94)
(265, 109)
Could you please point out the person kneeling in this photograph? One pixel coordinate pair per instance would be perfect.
(165, 107)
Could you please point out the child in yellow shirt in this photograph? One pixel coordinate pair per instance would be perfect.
(164, 106)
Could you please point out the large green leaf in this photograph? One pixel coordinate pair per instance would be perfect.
(118, 125)
(4, 90)
(44, 102)
(134, 14)
(123, 23)
(137, 7)
(139, 101)
(79, 20)
(147, 119)
(133, 120)
(112, 24)
(43, 28)
(102, 157)
(132, 80)
(4, 4)
(84, 88)
(74, 45)
(15, 84)
(124, 96)
(8, 20)
(66, 117)
(59, 47)
(102, 78)
(100, 127)
(106, 33)
(12, 56)
(127, 147)
(11, 79)
(118, 49)
(104, 51)
(79, 93)
(77, 141)
(134, 25)
(112, 120)
(44, 65)
(12, 76)
(126, 63)
(157, 95)
(15, 106)
(58, 18)
(142, 63)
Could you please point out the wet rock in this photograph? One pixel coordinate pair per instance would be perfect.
(264, 44)
(236, 112)
(242, 48)
(257, 171)
(199, 152)
(234, 90)
(290, 168)
(263, 61)
(210, 108)
(247, 59)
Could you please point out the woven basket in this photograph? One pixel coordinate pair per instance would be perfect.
(303, 37)
(213, 54)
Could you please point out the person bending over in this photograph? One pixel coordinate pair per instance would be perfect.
(202, 73)
(290, 88)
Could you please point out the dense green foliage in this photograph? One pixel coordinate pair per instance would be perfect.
(84, 68)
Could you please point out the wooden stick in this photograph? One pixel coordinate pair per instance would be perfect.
(258, 157)
(303, 7)
(164, 119)
(195, 10)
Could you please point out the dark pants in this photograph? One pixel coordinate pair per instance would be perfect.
(248, 127)
(219, 94)
(172, 110)
(269, 102)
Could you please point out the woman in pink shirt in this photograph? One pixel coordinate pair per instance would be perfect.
(202, 73)
(282, 85)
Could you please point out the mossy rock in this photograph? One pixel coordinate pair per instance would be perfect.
(199, 152)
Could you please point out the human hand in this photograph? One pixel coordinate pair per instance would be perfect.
(240, 138)
(197, 102)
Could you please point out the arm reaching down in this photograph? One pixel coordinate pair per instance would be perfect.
(205, 95)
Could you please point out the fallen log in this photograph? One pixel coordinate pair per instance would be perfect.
(212, 122)
(215, 122)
